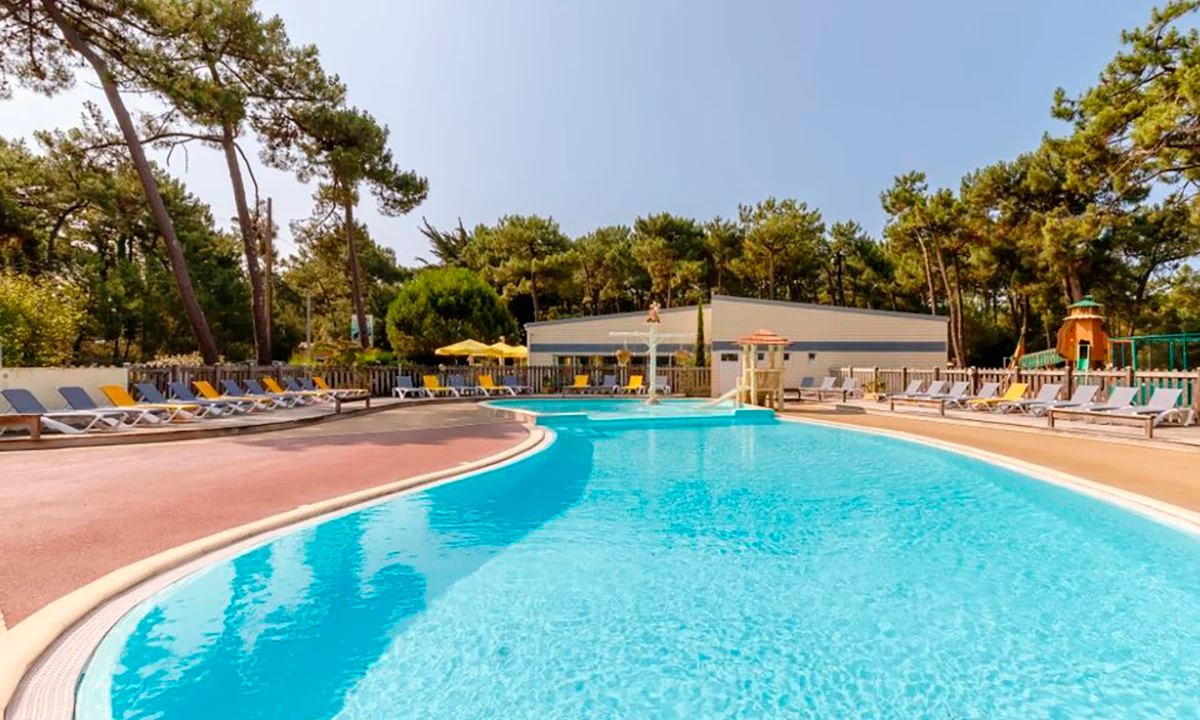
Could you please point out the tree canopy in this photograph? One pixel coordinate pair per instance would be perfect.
(441, 306)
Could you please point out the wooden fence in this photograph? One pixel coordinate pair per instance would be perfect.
(896, 379)
(693, 382)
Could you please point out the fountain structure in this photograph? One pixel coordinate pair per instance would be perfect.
(651, 337)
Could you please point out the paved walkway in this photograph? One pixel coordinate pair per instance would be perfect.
(1170, 473)
(69, 516)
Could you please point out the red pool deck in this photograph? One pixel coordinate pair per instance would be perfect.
(70, 516)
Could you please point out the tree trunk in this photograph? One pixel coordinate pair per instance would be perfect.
(1074, 285)
(841, 288)
(355, 272)
(533, 293)
(771, 278)
(955, 330)
(187, 294)
(928, 277)
(258, 307)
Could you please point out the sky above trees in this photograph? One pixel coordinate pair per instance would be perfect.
(597, 113)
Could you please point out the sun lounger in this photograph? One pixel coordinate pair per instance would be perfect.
(1115, 409)
(513, 384)
(939, 400)
(986, 392)
(295, 386)
(848, 388)
(806, 383)
(1082, 397)
(609, 385)
(660, 382)
(405, 388)
(912, 391)
(581, 385)
(180, 391)
(232, 389)
(434, 387)
(460, 384)
(1118, 397)
(316, 382)
(489, 386)
(70, 422)
(1015, 392)
(635, 385)
(827, 383)
(255, 389)
(78, 399)
(171, 411)
(1046, 393)
(1163, 405)
(957, 391)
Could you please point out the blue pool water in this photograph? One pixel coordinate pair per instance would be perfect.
(745, 571)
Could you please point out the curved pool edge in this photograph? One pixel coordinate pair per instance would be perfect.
(26, 646)
(1164, 513)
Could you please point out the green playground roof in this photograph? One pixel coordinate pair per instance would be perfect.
(1087, 302)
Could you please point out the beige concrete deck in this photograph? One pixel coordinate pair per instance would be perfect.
(1166, 469)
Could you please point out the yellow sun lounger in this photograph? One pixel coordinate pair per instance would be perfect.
(489, 386)
(435, 387)
(1015, 392)
(278, 389)
(340, 393)
(581, 385)
(634, 385)
(120, 397)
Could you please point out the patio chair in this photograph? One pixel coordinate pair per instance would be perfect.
(180, 391)
(434, 387)
(635, 385)
(827, 383)
(1163, 405)
(171, 411)
(405, 388)
(150, 394)
(232, 389)
(987, 392)
(1015, 392)
(513, 384)
(78, 399)
(68, 422)
(255, 389)
(208, 392)
(1082, 397)
(581, 385)
(660, 382)
(1046, 393)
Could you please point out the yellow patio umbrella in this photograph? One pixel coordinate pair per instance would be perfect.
(504, 350)
(463, 348)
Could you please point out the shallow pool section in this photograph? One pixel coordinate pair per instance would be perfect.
(753, 571)
(610, 413)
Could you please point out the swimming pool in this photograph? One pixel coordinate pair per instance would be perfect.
(780, 570)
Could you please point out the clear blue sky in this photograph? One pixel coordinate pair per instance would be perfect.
(597, 112)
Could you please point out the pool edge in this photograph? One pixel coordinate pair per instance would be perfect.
(1164, 513)
(23, 646)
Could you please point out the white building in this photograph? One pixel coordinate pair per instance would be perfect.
(821, 338)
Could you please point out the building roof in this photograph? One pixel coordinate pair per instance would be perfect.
(635, 313)
(831, 308)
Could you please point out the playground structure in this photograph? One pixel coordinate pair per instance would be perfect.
(1177, 347)
(1082, 341)
(762, 386)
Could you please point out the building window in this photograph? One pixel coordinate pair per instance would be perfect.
(729, 357)
(787, 356)
(812, 358)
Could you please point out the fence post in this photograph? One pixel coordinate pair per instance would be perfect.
(904, 377)
(1069, 380)
(1196, 394)
(974, 379)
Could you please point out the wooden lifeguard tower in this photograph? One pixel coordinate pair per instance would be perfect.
(1082, 341)
(763, 385)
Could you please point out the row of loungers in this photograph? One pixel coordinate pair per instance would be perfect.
(636, 385)
(82, 415)
(1085, 402)
(456, 386)
(827, 390)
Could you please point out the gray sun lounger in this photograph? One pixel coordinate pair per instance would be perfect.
(827, 383)
(255, 388)
(913, 390)
(1082, 397)
(956, 392)
(405, 388)
(1046, 393)
(1119, 398)
(78, 399)
(233, 390)
(511, 383)
(67, 422)
(1163, 405)
(608, 385)
(460, 386)
(661, 385)
(294, 386)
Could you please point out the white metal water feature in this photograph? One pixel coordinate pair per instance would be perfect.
(651, 336)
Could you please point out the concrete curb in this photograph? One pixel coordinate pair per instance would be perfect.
(199, 432)
(23, 644)
(1165, 513)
